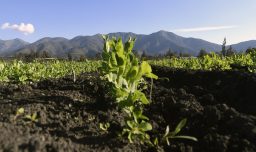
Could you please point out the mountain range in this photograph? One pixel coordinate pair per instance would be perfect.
(153, 44)
(10, 45)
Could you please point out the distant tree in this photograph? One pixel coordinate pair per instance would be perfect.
(98, 56)
(183, 54)
(37, 54)
(223, 50)
(30, 56)
(19, 56)
(45, 54)
(33, 54)
(202, 53)
(82, 58)
(70, 58)
(250, 50)
(230, 51)
(170, 53)
(144, 55)
(159, 56)
(27, 57)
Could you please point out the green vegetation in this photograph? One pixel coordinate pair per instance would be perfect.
(32, 117)
(104, 126)
(124, 71)
(126, 74)
(172, 135)
(211, 62)
(28, 117)
(21, 72)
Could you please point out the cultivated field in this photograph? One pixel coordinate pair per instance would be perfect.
(71, 106)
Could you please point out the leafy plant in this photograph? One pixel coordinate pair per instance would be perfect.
(137, 130)
(104, 126)
(19, 112)
(124, 71)
(91, 117)
(32, 117)
(171, 135)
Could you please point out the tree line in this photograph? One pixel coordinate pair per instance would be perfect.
(225, 51)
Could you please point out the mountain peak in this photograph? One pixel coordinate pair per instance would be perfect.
(156, 43)
(11, 45)
(164, 33)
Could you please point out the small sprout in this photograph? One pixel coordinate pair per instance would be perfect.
(32, 118)
(156, 142)
(74, 75)
(105, 126)
(20, 111)
(138, 130)
(76, 119)
(91, 117)
(170, 135)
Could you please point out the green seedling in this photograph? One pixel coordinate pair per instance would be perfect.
(19, 112)
(156, 142)
(138, 130)
(171, 135)
(74, 74)
(123, 70)
(32, 118)
(104, 126)
(91, 117)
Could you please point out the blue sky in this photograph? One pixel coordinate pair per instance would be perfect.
(211, 20)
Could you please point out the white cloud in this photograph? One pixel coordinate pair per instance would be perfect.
(22, 27)
(203, 29)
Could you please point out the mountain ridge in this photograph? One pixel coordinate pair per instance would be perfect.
(152, 44)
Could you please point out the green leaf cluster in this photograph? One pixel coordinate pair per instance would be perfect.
(124, 70)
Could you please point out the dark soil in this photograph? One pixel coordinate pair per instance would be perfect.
(220, 107)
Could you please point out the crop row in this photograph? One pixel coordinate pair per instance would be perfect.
(18, 71)
(211, 62)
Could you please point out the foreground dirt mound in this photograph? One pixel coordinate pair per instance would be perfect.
(220, 108)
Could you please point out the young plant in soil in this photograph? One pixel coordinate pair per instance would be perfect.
(104, 126)
(32, 117)
(29, 117)
(123, 70)
(172, 135)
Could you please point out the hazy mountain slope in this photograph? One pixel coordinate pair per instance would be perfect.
(56, 47)
(11, 45)
(161, 41)
(87, 45)
(156, 43)
(242, 46)
(198, 44)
